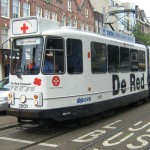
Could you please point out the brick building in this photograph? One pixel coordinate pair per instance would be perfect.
(76, 13)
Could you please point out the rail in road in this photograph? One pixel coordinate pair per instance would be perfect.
(51, 132)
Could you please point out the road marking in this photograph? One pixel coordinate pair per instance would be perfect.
(49, 145)
(16, 140)
(90, 136)
(138, 123)
(109, 126)
(144, 126)
(27, 142)
(141, 141)
(107, 142)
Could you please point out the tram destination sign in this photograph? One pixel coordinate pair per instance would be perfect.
(118, 35)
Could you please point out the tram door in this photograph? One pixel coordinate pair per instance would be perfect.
(148, 68)
(6, 61)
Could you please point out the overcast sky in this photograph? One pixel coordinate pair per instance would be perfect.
(143, 4)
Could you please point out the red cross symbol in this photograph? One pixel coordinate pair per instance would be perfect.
(24, 28)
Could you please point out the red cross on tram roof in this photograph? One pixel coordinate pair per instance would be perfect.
(24, 28)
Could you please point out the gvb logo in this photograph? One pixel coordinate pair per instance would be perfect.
(83, 100)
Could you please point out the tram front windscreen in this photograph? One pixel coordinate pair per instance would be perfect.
(26, 56)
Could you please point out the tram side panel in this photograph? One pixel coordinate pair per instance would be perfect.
(114, 89)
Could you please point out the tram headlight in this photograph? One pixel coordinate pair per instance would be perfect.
(11, 99)
(22, 98)
(38, 99)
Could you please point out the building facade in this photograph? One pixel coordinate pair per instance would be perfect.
(100, 9)
(142, 20)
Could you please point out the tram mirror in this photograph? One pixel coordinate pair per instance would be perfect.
(6, 57)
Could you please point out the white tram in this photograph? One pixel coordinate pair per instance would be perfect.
(89, 73)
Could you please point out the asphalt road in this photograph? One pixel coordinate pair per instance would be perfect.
(126, 129)
(6, 120)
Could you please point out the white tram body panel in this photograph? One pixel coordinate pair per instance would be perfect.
(68, 94)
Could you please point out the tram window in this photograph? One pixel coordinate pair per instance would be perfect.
(74, 56)
(141, 61)
(134, 59)
(98, 57)
(26, 56)
(124, 59)
(113, 58)
(54, 56)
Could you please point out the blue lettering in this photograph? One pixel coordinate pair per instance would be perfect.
(83, 100)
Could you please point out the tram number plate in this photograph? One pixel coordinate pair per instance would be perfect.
(23, 106)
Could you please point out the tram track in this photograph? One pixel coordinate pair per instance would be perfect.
(8, 126)
(47, 138)
(115, 131)
(52, 132)
(147, 148)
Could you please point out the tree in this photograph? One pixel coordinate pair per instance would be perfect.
(141, 37)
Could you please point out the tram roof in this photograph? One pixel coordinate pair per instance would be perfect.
(36, 26)
(75, 33)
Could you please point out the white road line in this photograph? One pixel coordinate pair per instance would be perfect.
(138, 123)
(27, 142)
(16, 140)
(109, 126)
(49, 145)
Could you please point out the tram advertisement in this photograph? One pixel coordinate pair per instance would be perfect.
(136, 83)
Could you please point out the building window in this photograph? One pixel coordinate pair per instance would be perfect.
(69, 22)
(142, 28)
(69, 5)
(90, 28)
(47, 14)
(59, 1)
(74, 56)
(96, 26)
(38, 11)
(111, 3)
(54, 16)
(16, 8)
(4, 8)
(86, 27)
(26, 9)
(82, 26)
(4, 38)
(86, 13)
(75, 22)
(63, 20)
(98, 57)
